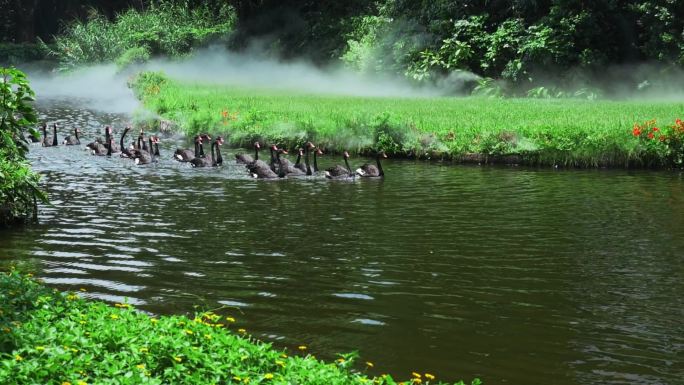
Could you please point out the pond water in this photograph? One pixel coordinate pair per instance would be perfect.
(513, 275)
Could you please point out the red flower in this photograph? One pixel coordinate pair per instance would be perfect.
(636, 131)
(656, 129)
(650, 135)
(224, 113)
(678, 122)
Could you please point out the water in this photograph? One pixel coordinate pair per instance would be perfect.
(513, 275)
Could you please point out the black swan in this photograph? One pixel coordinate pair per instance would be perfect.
(156, 145)
(315, 163)
(125, 152)
(46, 141)
(340, 172)
(50, 142)
(259, 169)
(109, 140)
(73, 140)
(206, 161)
(372, 170)
(143, 156)
(201, 147)
(218, 160)
(282, 169)
(247, 159)
(298, 163)
(287, 168)
(186, 155)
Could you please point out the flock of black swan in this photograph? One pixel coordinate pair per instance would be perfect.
(146, 151)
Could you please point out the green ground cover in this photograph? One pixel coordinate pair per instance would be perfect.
(564, 132)
(49, 337)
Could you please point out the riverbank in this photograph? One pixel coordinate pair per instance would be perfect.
(574, 133)
(51, 337)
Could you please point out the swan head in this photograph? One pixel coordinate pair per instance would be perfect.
(318, 151)
(257, 145)
(346, 155)
(219, 140)
(301, 152)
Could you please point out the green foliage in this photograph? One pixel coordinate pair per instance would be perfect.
(18, 185)
(133, 56)
(166, 28)
(570, 131)
(48, 337)
(518, 41)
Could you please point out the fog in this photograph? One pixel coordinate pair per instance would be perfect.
(104, 88)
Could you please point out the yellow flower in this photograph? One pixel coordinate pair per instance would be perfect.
(83, 289)
(416, 375)
(144, 350)
(246, 380)
(188, 331)
(302, 347)
(40, 348)
(243, 331)
(66, 383)
(207, 336)
(369, 364)
(429, 376)
(218, 325)
(237, 378)
(280, 363)
(340, 360)
(417, 381)
(230, 319)
(140, 366)
(72, 297)
(154, 320)
(81, 383)
(177, 359)
(18, 357)
(268, 376)
(114, 316)
(283, 355)
(82, 322)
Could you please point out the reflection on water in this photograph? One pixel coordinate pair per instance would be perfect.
(513, 275)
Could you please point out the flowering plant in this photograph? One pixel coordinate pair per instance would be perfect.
(658, 145)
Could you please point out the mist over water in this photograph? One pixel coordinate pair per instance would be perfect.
(254, 69)
(99, 87)
(104, 87)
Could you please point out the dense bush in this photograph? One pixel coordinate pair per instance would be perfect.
(48, 337)
(528, 44)
(18, 184)
(166, 28)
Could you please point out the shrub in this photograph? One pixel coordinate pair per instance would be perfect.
(18, 184)
(48, 337)
(166, 28)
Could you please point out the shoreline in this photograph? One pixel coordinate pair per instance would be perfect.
(527, 132)
(80, 341)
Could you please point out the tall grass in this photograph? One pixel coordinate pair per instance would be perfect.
(165, 28)
(555, 132)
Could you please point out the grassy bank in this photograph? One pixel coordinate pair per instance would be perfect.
(49, 337)
(547, 132)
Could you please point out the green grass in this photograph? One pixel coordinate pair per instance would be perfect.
(563, 132)
(48, 337)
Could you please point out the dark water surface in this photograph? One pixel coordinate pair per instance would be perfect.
(514, 275)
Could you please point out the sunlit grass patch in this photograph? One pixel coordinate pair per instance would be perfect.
(49, 337)
(554, 132)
